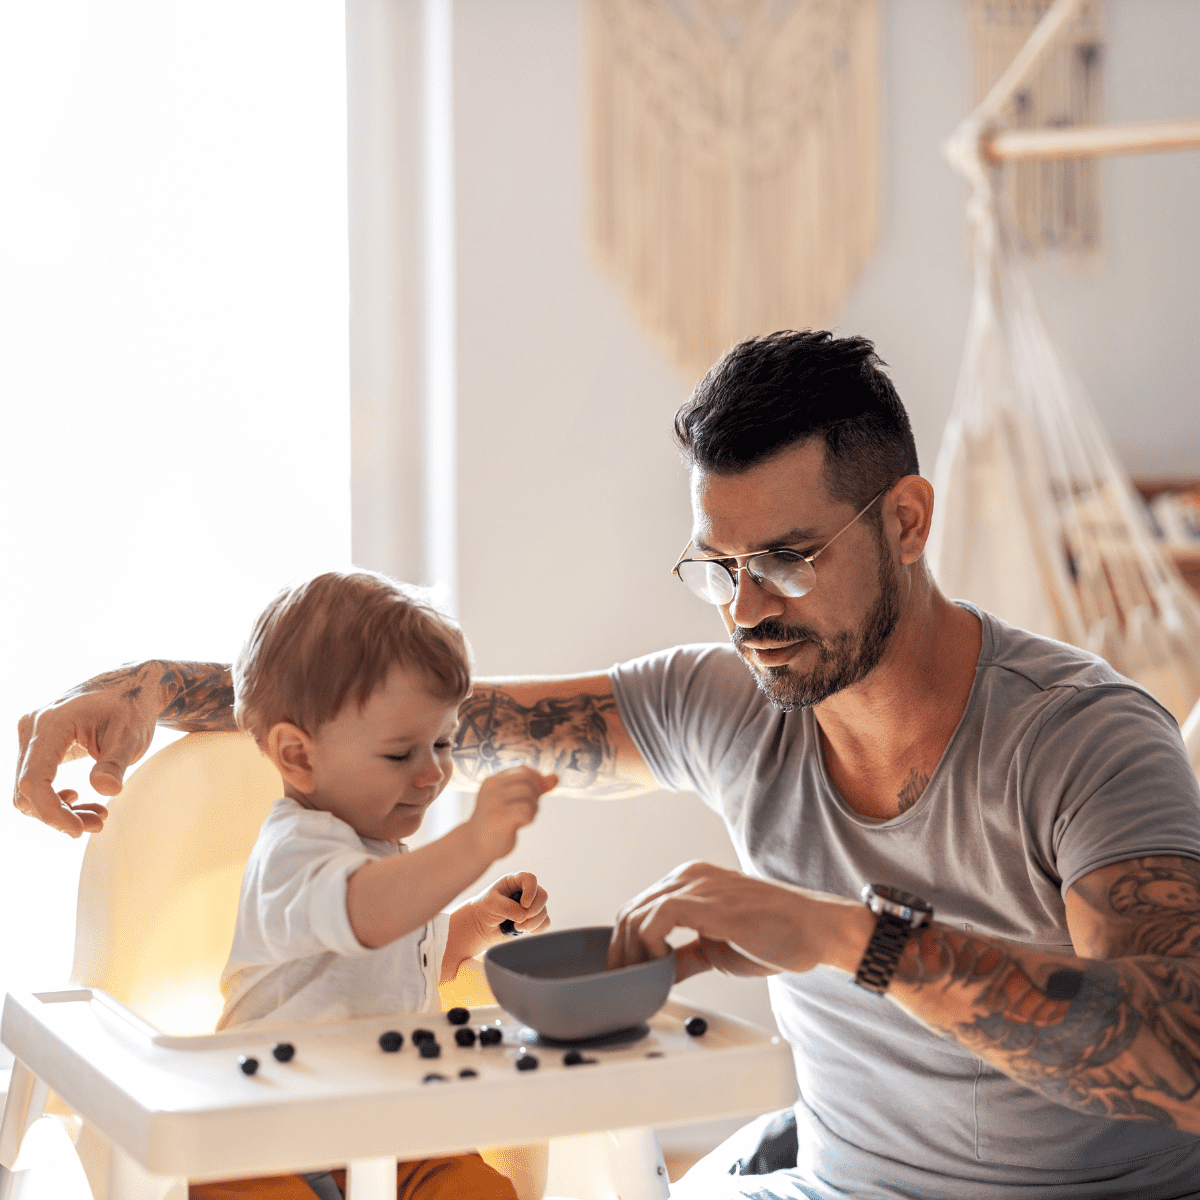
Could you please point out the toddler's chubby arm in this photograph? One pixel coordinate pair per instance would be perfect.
(391, 897)
(475, 925)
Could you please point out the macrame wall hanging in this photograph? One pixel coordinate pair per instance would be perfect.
(1054, 204)
(734, 163)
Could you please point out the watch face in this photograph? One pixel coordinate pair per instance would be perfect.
(879, 897)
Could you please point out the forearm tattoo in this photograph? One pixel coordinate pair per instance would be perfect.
(195, 697)
(1116, 1037)
(568, 736)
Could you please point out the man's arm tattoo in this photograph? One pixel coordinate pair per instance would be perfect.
(569, 736)
(1114, 1037)
(195, 697)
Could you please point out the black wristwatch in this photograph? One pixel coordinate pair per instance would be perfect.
(900, 914)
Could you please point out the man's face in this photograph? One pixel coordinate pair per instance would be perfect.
(801, 651)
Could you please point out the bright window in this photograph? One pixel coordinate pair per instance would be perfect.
(174, 418)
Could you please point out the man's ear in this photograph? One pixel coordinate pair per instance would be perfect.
(290, 749)
(913, 500)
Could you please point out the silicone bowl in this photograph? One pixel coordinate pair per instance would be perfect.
(557, 985)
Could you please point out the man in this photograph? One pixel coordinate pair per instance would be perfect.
(1040, 1036)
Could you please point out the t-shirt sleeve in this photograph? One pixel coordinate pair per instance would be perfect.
(1125, 788)
(293, 902)
(686, 710)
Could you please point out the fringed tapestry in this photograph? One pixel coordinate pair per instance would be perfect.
(734, 163)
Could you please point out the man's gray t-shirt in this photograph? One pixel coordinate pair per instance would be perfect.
(1058, 766)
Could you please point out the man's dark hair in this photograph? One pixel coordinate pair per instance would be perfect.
(769, 393)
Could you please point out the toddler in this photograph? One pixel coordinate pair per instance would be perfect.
(351, 683)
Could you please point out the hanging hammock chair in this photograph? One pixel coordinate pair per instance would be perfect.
(1037, 521)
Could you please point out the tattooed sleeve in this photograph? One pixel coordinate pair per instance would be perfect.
(1117, 1035)
(568, 735)
(196, 697)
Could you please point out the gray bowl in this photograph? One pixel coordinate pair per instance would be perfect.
(557, 985)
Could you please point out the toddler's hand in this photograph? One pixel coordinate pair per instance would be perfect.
(506, 801)
(492, 907)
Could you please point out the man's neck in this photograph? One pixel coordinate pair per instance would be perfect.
(884, 737)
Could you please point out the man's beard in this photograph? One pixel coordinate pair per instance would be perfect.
(842, 660)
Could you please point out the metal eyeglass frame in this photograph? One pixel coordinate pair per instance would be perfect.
(764, 583)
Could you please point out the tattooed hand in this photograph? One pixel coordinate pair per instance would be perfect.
(112, 718)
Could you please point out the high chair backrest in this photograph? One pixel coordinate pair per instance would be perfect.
(158, 889)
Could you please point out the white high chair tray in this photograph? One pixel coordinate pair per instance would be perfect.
(181, 1106)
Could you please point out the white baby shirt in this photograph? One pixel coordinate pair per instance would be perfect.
(294, 954)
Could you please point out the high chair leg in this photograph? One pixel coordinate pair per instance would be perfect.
(24, 1104)
(371, 1179)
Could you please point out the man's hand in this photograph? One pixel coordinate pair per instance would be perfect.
(506, 801)
(745, 926)
(113, 730)
(112, 718)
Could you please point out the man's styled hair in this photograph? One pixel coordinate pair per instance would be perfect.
(334, 638)
(768, 393)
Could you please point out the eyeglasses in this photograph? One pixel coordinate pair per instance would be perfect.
(786, 573)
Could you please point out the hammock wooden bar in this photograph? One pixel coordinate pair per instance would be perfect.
(1090, 141)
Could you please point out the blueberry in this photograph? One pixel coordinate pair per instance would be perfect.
(489, 1035)
(467, 1073)
(697, 1026)
(465, 1037)
(249, 1065)
(527, 1062)
(283, 1051)
(391, 1041)
(458, 1016)
(433, 1077)
(572, 1058)
(508, 927)
(422, 1035)
(429, 1049)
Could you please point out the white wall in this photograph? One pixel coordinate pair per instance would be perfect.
(572, 503)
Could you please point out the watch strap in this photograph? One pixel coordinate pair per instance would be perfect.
(883, 951)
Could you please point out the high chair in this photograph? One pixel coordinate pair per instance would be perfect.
(158, 898)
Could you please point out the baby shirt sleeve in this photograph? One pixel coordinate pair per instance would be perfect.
(293, 902)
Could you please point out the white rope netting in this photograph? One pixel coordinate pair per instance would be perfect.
(1037, 520)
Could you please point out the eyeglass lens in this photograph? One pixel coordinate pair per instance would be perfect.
(781, 574)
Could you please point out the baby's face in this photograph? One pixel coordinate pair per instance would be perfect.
(380, 767)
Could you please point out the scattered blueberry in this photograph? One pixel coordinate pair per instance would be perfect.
(467, 1073)
(283, 1051)
(433, 1077)
(527, 1062)
(697, 1026)
(465, 1037)
(422, 1035)
(654, 1054)
(489, 1035)
(429, 1049)
(458, 1016)
(573, 1058)
(249, 1065)
(391, 1041)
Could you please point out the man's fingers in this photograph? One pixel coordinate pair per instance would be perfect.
(34, 792)
(114, 755)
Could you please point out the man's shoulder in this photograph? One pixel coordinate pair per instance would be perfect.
(1030, 662)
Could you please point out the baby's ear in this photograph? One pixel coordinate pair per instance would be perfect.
(290, 749)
